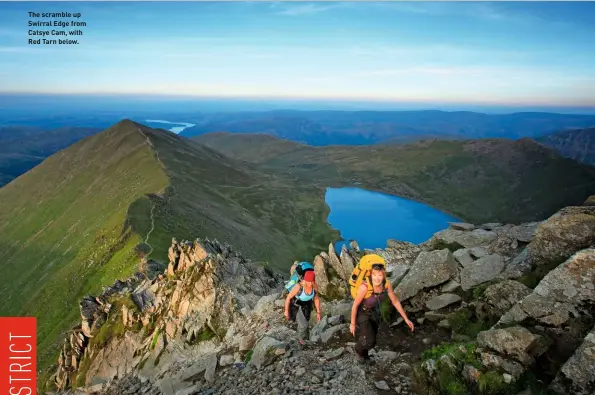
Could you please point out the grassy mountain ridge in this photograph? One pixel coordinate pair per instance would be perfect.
(479, 180)
(61, 226)
(74, 223)
(577, 144)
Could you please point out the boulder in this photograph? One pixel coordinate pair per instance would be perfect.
(431, 268)
(483, 270)
(559, 294)
(347, 260)
(516, 342)
(442, 301)
(336, 264)
(396, 274)
(577, 376)
(450, 286)
(265, 351)
(321, 276)
(463, 256)
(464, 239)
(500, 297)
(524, 232)
(569, 230)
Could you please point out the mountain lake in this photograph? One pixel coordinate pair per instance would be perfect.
(371, 218)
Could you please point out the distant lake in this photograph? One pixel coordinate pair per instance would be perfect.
(371, 218)
(180, 126)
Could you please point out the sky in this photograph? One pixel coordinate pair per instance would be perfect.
(520, 53)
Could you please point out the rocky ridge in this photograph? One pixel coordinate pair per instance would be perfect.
(493, 304)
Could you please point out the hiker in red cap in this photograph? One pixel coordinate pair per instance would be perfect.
(298, 304)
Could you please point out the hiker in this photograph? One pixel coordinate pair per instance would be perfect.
(298, 304)
(369, 288)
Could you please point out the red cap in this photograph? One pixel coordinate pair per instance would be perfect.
(309, 276)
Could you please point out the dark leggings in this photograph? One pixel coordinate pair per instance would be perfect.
(294, 308)
(366, 331)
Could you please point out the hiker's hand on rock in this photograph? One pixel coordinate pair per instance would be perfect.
(287, 315)
(318, 316)
(410, 325)
(352, 328)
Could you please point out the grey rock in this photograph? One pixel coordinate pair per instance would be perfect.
(442, 301)
(559, 293)
(477, 252)
(524, 232)
(320, 269)
(491, 360)
(500, 297)
(516, 342)
(429, 269)
(450, 286)
(461, 226)
(477, 237)
(226, 360)
(246, 342)
(463, 256)
(397, 274)
(386, 356)
(483, 270)
(211, 367)
(266, 303)
(564, 233)
(330, 332)
(265, 351)
(577, 376)
(433, 316)
(336, 320)
(381, 385)
(336, 353)
(444, 324)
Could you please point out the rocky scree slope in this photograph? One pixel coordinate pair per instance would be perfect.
(500, 309)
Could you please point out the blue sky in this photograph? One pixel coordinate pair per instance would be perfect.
(474, 52)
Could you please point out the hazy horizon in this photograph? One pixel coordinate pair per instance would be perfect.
(46, 104)
(418, 55)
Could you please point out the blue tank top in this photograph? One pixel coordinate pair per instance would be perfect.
(304, 297)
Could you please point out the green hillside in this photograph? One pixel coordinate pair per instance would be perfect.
(491, 180)
(73, 224)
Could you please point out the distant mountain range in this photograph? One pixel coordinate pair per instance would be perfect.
(575, 144)
(30, 140)
(322, 128)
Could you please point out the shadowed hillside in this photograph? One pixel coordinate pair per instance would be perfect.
(23, 148)
(491, 180)
(576, 144)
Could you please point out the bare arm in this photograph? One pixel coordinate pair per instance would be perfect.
(393, 298)
(317, 304)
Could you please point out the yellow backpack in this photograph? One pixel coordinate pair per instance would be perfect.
(362, 272)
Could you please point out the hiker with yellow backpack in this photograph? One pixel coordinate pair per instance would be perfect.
(369, 289)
